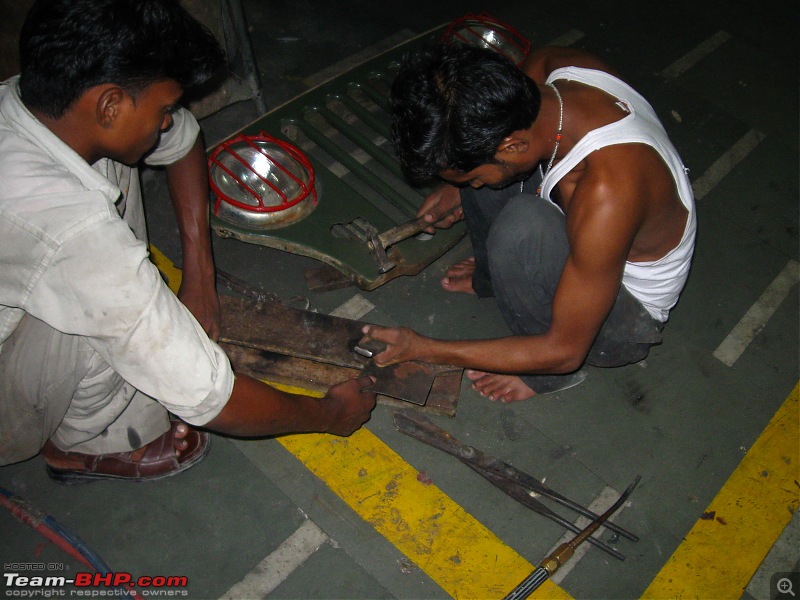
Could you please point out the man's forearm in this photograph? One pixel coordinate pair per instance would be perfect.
(188, 185)
(187, 180)
(512, 355)
(256, 409)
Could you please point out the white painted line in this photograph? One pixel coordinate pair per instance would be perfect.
(598, 506)
(726, 163)
(690, 59)
(275, 568)
(567, 39)
(756, 318)
(355, 308)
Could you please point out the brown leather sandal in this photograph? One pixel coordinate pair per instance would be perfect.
(156, 460)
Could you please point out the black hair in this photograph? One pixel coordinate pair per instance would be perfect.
(69, 46)
(452, 105)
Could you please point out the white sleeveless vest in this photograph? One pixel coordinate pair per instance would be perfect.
(656, 284)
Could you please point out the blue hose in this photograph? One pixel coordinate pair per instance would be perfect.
(25, 512)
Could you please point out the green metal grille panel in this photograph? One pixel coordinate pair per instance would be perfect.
(343, 127)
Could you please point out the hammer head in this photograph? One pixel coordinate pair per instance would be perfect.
(379, 252)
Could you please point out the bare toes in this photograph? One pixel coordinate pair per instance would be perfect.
(179, 441)
(181, 431)
(474, 375)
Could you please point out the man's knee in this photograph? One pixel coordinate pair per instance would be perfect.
(40, 369)
(529, 230)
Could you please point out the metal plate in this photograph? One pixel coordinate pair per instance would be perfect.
(409, 381)
(343, 127)
(313, 350)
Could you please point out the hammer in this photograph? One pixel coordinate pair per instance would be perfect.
(379, 243)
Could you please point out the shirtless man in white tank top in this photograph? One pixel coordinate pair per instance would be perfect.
(628, 216)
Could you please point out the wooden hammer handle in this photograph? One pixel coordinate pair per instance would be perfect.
(409, 228)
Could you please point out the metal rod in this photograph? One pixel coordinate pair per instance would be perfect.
(238, 23)
(523, 498)
(376, 183)
(361, 140)
(374, 95)
(538, 487)
(496, 471)
(380, 126)
(565, 551)
(602, 518)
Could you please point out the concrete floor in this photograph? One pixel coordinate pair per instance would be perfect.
(684, 420)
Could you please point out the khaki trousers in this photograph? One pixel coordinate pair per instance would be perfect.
(56, 386)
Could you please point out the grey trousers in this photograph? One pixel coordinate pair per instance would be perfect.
(520, 246)
(56, 386)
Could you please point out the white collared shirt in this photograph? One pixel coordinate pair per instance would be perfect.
(73, 253)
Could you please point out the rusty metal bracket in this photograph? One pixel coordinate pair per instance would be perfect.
(313, 350)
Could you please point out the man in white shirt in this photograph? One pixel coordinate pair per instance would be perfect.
(95, 351)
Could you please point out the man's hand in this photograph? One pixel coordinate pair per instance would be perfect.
(442, 200)
(402, 344)
(351, 405)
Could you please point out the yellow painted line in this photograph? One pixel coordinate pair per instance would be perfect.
(167, 268)
(723, 550)
(452, 547)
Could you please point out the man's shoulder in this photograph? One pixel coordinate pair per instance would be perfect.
(26, 172)
(23, 166)
(607, 177)
(33, 160)
(40, 195)
(619, 164)
(177, 141)
(543, 61)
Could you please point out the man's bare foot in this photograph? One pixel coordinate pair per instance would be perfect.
(499, 388)
(511, 388)
(458, 277)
